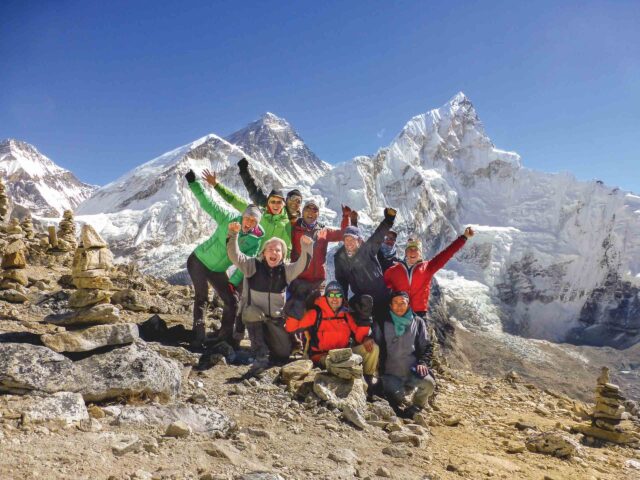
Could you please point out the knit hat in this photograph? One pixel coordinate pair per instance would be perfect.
(352, 231)
(254, 211)
(294, 192)
(276, 192)
(399, 293)
(311, 203)
(414, 242)
(393, 232)
(333, 286)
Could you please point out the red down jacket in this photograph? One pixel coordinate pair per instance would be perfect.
(334, 329)
(417, 279)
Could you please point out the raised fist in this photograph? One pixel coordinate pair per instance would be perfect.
(304, 240)
(234, 227)
(354, 218)
(243, 165)
(190, 176)
(390, 213)
(346, 210)
(468, 232)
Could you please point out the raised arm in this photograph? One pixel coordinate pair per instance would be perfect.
(336, 234)
(245, 264)
(341, 276)
(256, 194)
(376, 239)
(219, 214)
(231, 198)
(441, 259)
(292, 270)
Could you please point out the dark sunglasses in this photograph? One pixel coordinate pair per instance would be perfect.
(334, 295)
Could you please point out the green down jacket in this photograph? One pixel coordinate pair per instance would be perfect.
(213, 252)
(274, 225)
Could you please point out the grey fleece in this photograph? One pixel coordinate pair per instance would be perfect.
(401, 352)
(247, 265)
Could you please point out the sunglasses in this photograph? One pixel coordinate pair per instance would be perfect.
(334, 295)
(295, 200)
(313, 209)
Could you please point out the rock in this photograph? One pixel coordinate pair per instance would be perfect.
(62, 408)
(91, 338)
(90, 238)
(524, 426)
(178, 429)
(343, 455)
(94, 315)
(128, 371)
(91, 259)
(395, 452)
(16, 275)
(13, 296)
(26, 368)
(14, 260)
(382, 409)
(200, 418)
(134, 300)
(405, 437)
(84, 297)
(383, 472)
(603, 378)
(100, 283)
(96, 412)
(179, 354)
(295, 370)
(259, 476)
(452, 421)
(553, 443)
(14, 247)
(624, 438)
(515, 448)
(125, 445)
(234, 456)
(339, 355)
(349, 396)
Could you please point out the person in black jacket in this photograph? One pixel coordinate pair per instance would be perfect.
(405, 356)
(387, 255)
(357, 267)
(259, 197)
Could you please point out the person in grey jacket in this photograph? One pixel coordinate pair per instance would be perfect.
(405, 356)
(263, 294)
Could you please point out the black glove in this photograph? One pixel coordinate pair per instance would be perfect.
(243, 165)
(389, 214)
(190, 176)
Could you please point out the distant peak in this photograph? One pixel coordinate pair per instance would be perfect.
(271, 118)
(12, 143)
(459, 99)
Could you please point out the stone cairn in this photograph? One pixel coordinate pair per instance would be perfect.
(27, 227)
(4, 202)
(14, 278)
(66, 235)
(345, 364)
(608, 414)
(96, 321)
(14, 229)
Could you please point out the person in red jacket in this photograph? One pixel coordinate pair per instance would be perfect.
(313, 278)
(330, 326)
(413, 274)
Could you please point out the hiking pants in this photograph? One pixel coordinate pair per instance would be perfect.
(201, 277)
(269, 338)
(395, 388)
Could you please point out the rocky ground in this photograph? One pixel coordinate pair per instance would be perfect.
(140, 406)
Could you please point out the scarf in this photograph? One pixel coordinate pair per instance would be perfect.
(401, 323)
(309, 226)
(387, 251)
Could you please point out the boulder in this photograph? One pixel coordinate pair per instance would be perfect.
(133, 300)
(13, 296)
(14, 260)
(178, 429)
(129, 371)
(179, 354)
(90, 238)
(16, 275)
(94, 315)
(14, 247)
(553, 443)
(26, 368)
(200, 418)
(349, 396)
(61, 408)
(84, 297)
(91, 338)
(295, 370)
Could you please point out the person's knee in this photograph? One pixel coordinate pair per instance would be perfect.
(427, 385)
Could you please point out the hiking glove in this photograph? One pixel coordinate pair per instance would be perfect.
(243, 165)
(389, 214)
(190, 176)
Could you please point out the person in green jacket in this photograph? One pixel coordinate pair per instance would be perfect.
(209, 262)
(275, 220)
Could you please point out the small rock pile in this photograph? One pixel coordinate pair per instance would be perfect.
(343, 363)
(14, 278)
(608, 414)
(66, 240)
(14, 229)
(27, 227)
(4, 201)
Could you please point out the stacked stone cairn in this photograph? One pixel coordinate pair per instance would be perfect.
(4, 202)
(14, 278)
(90, 302)
(14, 229)
(66, 236)
(345, 364)
(608, 413)
(27, 227)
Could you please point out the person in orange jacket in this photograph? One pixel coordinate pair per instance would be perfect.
(331, 326)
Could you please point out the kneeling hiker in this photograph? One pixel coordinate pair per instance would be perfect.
(405, 355)
(331, 326)
(263, 294)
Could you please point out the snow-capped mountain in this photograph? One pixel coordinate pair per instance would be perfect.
(36, 183)
(151, 216)
(560, 258)
(272, 141)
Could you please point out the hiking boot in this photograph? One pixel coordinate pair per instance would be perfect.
(258, 366)
(198, 335)
(411, 411)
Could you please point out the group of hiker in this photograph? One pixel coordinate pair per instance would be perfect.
(279, 291)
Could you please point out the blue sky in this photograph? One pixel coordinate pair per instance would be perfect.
(101, 87)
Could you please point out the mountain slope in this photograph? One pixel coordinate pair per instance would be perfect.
(36, 183)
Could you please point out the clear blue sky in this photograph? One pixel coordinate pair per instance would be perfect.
(101, 87)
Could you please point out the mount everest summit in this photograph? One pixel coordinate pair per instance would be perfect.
(553, 257)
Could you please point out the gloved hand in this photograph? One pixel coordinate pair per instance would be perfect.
(390, 214)
(346, 210)
(190, 176)
(243, 165)
(354, 218)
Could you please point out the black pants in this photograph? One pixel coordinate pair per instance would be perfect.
(201, 277)
(270, 339)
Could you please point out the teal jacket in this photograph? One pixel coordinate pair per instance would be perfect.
(213, 252)
(274, 225)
